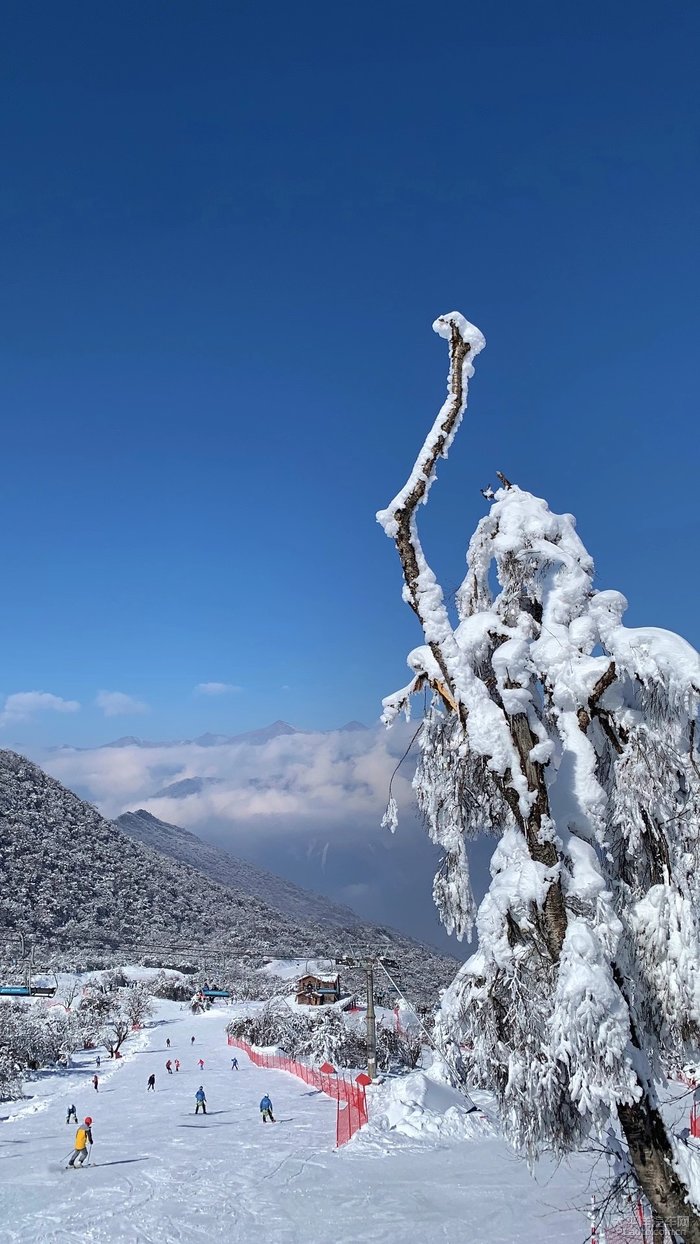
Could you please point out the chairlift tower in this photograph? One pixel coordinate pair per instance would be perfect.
(368, 964)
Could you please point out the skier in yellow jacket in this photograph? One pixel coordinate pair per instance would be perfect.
(83, 1138)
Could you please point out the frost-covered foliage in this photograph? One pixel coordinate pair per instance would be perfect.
(171, 986)
(609, 779)
(107, 1016)
(318, 1035)
(33, 1036)
(572, 739)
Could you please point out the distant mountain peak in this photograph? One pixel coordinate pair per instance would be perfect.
(351, 727)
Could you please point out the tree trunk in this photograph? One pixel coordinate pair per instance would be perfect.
(651, 1157)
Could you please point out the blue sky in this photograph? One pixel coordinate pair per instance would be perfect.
(225, 232)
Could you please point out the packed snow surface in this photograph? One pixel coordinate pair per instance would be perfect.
(292, 969)
(159, 1173)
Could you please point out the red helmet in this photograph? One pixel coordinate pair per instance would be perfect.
(88, 1120)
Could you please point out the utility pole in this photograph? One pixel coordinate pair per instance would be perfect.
(371, 1023)
(369, 962)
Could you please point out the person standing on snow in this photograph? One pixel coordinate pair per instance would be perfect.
(167, 1042)
(191, 1040)
(83, 1138)
(72, 1114)
(234, 1064)
(266, 1109)
(177, 1064)
(97, 1060)
(201, 1064)
(95, 1082)
(201, 1100)
(151, 1082)
(169, 1067)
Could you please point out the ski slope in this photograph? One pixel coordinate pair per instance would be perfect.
(160, 1174)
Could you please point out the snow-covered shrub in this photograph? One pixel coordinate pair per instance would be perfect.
(32, 1036)
(108, 1018)
(572, 739)
(169, 986)
(319, 1035)
(135, 1001)
(398, 1050)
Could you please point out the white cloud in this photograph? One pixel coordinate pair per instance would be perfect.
(216, 688)
(118, 704)
(23, 705)
(332, 780)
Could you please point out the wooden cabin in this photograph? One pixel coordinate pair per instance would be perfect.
(315, 991)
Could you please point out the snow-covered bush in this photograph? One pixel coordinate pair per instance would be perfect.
(32, 1036)
(107, 1018)
(319, 1035)
(572, 739)
(169, 986)
(135, 1001)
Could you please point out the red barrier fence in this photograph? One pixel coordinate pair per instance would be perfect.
(351, 1114)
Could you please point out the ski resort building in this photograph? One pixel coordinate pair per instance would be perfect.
(315, 991)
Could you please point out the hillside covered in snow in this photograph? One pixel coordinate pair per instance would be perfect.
(73, 881)
(241, 876)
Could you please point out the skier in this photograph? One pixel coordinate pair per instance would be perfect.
(191, 1040)
(95, 1082)
(201, 1064)
(234, 1064)
(177, 1064)
(151, 1082)
(97, 1060)
(201, 1100)
(266, 1109)
(72, 1115)
(167, 1042)
(169, 1067)
(83, 1138)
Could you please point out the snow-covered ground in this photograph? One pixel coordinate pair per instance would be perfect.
(161, 1174)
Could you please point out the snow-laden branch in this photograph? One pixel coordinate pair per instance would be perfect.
(422, 590)
(572, 739)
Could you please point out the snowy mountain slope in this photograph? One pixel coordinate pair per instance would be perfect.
(75, 881)
(161, 1175)
(330, 927)
(69, 877)
(239, 875)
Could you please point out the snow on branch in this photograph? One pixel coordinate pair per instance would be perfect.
(573, 740)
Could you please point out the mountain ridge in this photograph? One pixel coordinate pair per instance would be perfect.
(239, 875)
(265, 734)
(73, 881)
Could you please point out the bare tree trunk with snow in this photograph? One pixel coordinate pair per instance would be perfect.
(572, 738)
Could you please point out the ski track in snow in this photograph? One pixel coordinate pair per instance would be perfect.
(162, 1175)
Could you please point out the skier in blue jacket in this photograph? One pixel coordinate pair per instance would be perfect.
(201, 1100)
(266, 1109)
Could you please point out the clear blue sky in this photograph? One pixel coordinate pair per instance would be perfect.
(225, 232)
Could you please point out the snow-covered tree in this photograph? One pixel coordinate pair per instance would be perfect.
(136, 1003)
(572, 739)
(107, 1018)
(32, 1036)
